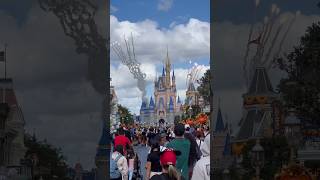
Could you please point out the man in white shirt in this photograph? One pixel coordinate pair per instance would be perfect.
(202, 168)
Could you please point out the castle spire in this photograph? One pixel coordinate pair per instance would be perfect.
(173, 76)
(219, 123)
(168, 69)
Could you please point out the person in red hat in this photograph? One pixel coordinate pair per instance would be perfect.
(168, 160)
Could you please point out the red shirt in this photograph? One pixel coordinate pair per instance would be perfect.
(122, 140)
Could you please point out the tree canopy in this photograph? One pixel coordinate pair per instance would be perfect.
(204, 87)
(48, 157)
(301, 88)
(125, 115)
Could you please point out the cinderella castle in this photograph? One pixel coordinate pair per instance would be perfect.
(166, 104)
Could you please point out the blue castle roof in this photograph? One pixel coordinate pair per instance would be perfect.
(227, 146)
(219, 124)
(143, 105)
(102, 149)
(151, 104)
(163, 73)
(179, 101)
(173, 76)
(171, 105)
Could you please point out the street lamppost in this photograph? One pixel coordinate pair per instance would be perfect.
(190, 111)
(257, 158)
(226, 174)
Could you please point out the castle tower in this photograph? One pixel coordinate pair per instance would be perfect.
(168, 70)
(219, 137)
(192, 95)
(12, 148)
(173, 79)
(151, 110)
(164, 105)
(257, 108)
(220, 142)
(102, 153)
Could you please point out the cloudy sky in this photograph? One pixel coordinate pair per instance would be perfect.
(50, 80)
(183, 26)
(230, 33)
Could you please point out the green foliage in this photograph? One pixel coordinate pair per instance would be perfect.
(49, 157)
(177, 119)
(302, 86)
(125, 115)
(204, 87)
(195, 110)
(277, 153)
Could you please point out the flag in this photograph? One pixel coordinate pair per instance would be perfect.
(2, 54)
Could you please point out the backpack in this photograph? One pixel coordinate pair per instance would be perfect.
(114, 171)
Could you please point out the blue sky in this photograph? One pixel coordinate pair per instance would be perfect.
(184, 26)
(181, 10)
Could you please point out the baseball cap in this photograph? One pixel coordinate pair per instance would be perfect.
(163, 135)
(169, 156)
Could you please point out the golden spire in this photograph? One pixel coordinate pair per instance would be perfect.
(168, 69)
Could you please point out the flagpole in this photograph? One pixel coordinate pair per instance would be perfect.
(5, 61)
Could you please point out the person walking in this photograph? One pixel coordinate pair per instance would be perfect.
(199, 138)
(195, 152)
(153, 166)
(202, 168)
(131, 156)
(168, 160)
(183, 145)
(121, 161)
(163, 141)
(122, 140)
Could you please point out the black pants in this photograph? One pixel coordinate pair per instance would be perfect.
(120, 178)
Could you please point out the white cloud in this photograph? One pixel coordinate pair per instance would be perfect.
(164, 5)
(113, 9)
(185, 41)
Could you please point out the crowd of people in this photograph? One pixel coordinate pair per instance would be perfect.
(178, 152)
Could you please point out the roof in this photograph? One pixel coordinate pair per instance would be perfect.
(260, 83)
(219, 124)
(173, 76)
(163, 72)
(179, 101)
(7, 94)
(227, 146)
(247, 126)
(151, 104)
(103, 142)
(143, 105)
(171, 105)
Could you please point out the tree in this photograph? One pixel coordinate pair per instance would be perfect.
(276, 151)
(125, 115)
(301, 88)
(49, 157)
(204, 87)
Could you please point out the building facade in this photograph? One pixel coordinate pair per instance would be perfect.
(165, 104)
(259, 113)
(222, 156)
(12, 148)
